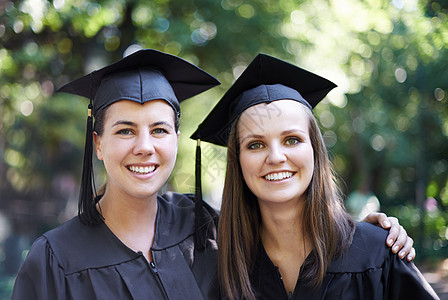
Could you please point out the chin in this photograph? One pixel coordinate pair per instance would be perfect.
(280, 198)
(143, 194)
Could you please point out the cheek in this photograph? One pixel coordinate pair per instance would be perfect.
(113, 150)
(168, 148)
(110, 158)
(308, 159)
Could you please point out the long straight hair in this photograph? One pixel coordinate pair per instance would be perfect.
(329, 227)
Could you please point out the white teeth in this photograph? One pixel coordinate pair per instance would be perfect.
(142, 170)
(278, 176)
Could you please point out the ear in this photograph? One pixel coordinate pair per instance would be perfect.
(98, 149)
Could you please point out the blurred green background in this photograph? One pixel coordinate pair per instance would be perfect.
(386, 125)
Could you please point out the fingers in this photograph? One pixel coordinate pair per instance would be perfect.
(403, 246)
(411, 254)
(406, 250)
(377, 218)
(398, 238)
(400, 241)
(394, 233)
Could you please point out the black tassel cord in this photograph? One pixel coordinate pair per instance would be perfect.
(87, 196)
(200, 226)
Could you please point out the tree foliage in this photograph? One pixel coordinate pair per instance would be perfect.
(386, 125)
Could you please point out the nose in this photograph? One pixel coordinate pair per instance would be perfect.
(276, 154)
(144, 145)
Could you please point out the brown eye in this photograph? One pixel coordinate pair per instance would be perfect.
(125, 131)
(292, 141)
(160, 131)
(254, 146)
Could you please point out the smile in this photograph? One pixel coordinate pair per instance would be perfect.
(278, 176)
(141, 170)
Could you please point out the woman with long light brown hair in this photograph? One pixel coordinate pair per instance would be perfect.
(283, 231)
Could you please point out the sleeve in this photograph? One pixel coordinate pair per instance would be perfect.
(406, 281)
(40, 276)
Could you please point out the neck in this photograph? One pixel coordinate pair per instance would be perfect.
(282, 227)
(133, 221)
(284, 240)
(119, 209)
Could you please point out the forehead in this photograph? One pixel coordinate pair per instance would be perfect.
(125, 109)
(275, 115)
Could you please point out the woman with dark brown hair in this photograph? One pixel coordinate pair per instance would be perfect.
(128, 241)
(283, 231)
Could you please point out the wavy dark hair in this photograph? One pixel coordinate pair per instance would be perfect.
(329, 227)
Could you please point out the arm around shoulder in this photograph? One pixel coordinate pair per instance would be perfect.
(40, 276)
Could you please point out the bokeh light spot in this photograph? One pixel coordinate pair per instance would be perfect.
(400, 75)
(377, 142)
(298, 17)
(326, 118)
(439, 94)
(246, 11)
(26, 108)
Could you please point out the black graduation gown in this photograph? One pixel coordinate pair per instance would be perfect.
(367, 270)
(76, 261)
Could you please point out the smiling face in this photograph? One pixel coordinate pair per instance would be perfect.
(138, 146)
(276, 155)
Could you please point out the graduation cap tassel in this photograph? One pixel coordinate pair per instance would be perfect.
(86, 198)
(200, 228)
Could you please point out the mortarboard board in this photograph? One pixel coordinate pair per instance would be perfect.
(266, 79)
(141, 77)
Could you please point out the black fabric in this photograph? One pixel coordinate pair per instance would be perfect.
(140, 85)
(368, 270)
(265, 93)
(76, 261)
(265, 79)
(145, 75)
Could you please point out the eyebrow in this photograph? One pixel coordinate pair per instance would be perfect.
(161, 123)
(251, 136)
(122, 122)
(286, 132)
(130, 123)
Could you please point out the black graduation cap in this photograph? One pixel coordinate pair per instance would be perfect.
(141, 77)
(266, 79)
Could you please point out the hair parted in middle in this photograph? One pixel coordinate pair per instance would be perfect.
(329, 227)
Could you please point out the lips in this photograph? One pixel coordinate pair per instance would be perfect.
(142, 170)
(278, 176)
